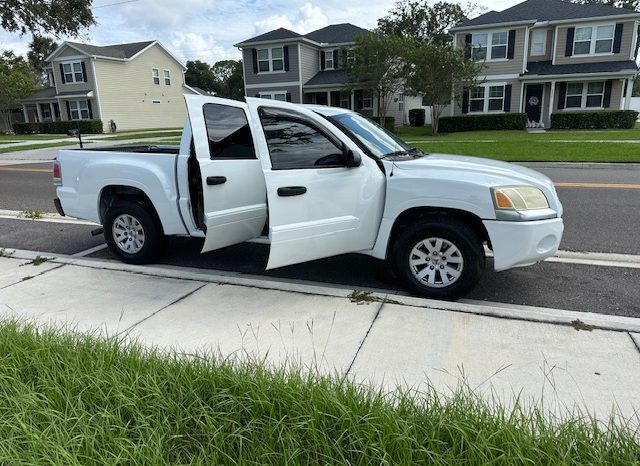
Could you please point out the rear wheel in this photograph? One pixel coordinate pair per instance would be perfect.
(439, 257)
(132, 232)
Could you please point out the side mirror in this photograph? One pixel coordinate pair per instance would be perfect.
(353, 159)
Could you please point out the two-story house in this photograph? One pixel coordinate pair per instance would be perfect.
(546, 56)
(137, 85)
(284, 65)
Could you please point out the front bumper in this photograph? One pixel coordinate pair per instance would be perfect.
(517, 244)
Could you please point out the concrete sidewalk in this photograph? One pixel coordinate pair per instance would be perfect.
(564, 358)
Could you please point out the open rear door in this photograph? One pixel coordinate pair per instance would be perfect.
(234, 191)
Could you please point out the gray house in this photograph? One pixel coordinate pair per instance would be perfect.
(285, 65)
(546, 56)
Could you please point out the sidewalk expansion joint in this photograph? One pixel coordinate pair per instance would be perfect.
(364, 339)
(176, 301)
(635, 343)
(30, 277)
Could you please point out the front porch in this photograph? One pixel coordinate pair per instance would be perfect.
(48, 106)
(359, 100)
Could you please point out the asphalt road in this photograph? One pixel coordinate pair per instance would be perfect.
(596, 219)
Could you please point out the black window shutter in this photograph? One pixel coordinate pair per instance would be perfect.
(84, 72)
(562, 95)
(507, 97)
(68, 110)
(90, 111)
(258, 95)
(465, 101)
(335, 59)
(617, 40)
(62, 73)
(322, 60)
(254, 54)
(285, 53)
(288, 96)
(607, 93)
(467, 45)
(568, 50)
(511, 47)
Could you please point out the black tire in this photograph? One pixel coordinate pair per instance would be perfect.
(455, 232)
(152, 239)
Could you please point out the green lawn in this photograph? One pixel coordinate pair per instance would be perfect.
(150, 134)
(77, 400)
(72, 142)
(557, 146)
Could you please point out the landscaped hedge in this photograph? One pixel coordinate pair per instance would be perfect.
(500, 121)
(59, 127)
(389, 122)
(416, 117)
(606, 119)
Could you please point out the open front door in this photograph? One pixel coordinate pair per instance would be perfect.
(233, 185)
(318, 207)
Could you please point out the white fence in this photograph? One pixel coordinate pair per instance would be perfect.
(635, 104)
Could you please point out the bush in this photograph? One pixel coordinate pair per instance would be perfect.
(607, 119)
(416, 117)
(59, 127)
(500, 121)
(389, 122)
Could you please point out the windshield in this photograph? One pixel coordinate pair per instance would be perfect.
(377, 140)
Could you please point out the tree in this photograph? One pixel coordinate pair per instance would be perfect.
(57, 17)
(39, 49)
(228, 75)
(16, 82)
(419, 21)
(436, 71)
(199, 74)
(630, 4)
(376, 63)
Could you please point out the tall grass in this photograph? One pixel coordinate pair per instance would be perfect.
(68, 399)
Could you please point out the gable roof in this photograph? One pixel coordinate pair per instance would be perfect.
(546, 10)
(121, 51)
(343, 33)
(336, 34)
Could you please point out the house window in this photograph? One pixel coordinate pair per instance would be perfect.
(79, 109)
(270, 60)
(486, 99)
(155, 73)
(589, 42)
(367, 99)
(328, 60)
(345, 99)
(73, 72)
(401, 103)
(281, 96)
(585, 95)
(489, 46)
(351, 57)
(539, 43)
(167, 77)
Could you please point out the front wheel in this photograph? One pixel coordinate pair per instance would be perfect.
(132, 233)
(440, 257)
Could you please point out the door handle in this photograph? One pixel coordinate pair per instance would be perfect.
(214, 180)
(289, 191)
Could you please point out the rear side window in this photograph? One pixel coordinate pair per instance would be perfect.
(228, 132)
(295, 143)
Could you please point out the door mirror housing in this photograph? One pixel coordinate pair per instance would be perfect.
(353, 158)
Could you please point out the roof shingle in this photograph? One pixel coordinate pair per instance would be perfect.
(121, 51)
(336, 34)
(544, 68)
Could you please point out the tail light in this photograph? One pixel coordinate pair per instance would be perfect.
(57, 173)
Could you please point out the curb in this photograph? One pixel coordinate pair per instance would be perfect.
(579, 320)
(579, 164)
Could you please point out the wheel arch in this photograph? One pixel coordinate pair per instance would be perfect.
(419, 213)
(111, 194)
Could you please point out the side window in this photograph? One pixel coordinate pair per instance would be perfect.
(228, 132)
(295, 143)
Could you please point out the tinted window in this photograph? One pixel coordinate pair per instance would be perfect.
(295, 143)
(228, 132)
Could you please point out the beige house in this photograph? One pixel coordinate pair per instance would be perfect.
(127, 86)
(547, 56)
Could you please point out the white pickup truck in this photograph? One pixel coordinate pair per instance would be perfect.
(313, 182)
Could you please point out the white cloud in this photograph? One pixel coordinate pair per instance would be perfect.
(307, 19)
(194, 46)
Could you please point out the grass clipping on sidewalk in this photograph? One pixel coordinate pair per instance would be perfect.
(68, 399)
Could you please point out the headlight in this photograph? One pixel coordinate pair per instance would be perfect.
(519, 198)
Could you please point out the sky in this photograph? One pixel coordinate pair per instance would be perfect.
(207, 29)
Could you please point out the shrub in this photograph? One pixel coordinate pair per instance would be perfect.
(500, 121)
(389, 122)
(59, 127)
(416, 117)
(606, 119)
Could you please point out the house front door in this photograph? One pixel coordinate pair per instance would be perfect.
(533, 105)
